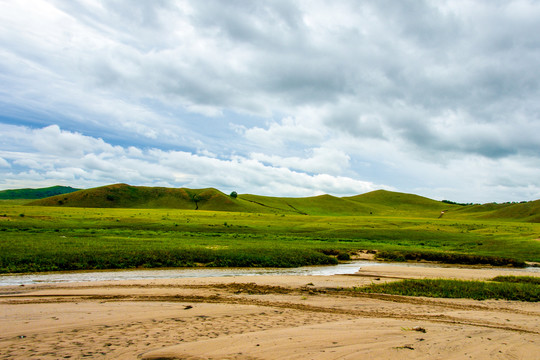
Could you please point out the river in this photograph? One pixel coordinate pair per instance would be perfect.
(138, 274)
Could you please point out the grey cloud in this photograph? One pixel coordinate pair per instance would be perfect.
(432, 140)
(413, 51)
(422, 24)
(278, 61)
(263, 25)
(353, 121)
(143, 25)
(302, 81)
(432, 80)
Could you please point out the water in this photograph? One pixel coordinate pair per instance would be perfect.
(111, 275)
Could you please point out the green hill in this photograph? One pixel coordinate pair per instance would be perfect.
(315, 205)
(126, 196)
(35, 193)
(376, 203)
(395, 199)
(383, 202)
(525, 211)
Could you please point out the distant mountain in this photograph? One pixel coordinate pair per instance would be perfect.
(35, 193)
(375, 203)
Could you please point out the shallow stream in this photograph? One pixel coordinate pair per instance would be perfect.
(137, 274)
(111, 275)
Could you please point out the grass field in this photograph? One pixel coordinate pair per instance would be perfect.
(38, 238)
(502, 287)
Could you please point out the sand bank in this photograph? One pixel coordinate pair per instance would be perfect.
(263, 317)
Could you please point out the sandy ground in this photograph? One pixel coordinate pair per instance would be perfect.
(263, 317)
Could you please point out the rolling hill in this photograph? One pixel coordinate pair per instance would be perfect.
(375, 203)
(525, 211)
(383, 202)
(125, 196)
(35, 193)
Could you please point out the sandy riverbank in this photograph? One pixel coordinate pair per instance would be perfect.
(263, 317)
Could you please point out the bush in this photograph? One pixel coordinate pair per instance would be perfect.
(234, 195)
(339, 254)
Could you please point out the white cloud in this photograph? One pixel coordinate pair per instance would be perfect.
(94, 162)
(289, 130)
(321, 160)
(29, 163)
(4, 163)
(52, 140)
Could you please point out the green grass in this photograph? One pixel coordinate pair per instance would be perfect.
(441, 288)
(518, 279)
(37, 238)
(450, 258)
(4, 202)
(85, 254)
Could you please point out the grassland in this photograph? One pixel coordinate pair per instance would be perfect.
(507, 288)
(44, 238)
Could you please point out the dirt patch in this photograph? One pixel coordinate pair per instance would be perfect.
(364, 255)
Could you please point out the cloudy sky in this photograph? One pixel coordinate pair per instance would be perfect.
(285, 98)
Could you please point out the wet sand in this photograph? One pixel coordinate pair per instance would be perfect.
(263, 317)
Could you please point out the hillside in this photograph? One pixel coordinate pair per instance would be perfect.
(375, 203)
(315, 205)
(383, 202)
(35, 193)
(395, 199)
(126, 196)
(524, 211)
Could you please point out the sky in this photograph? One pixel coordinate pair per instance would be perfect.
(279, 98)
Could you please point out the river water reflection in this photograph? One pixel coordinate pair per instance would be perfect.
(111, 275)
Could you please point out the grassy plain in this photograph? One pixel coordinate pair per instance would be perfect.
(38, 238)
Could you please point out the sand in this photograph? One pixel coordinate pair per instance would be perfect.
(263, 317)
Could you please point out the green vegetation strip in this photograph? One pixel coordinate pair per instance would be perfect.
(155, 255)
(519, 289)
(518, 279)
(450, 258)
